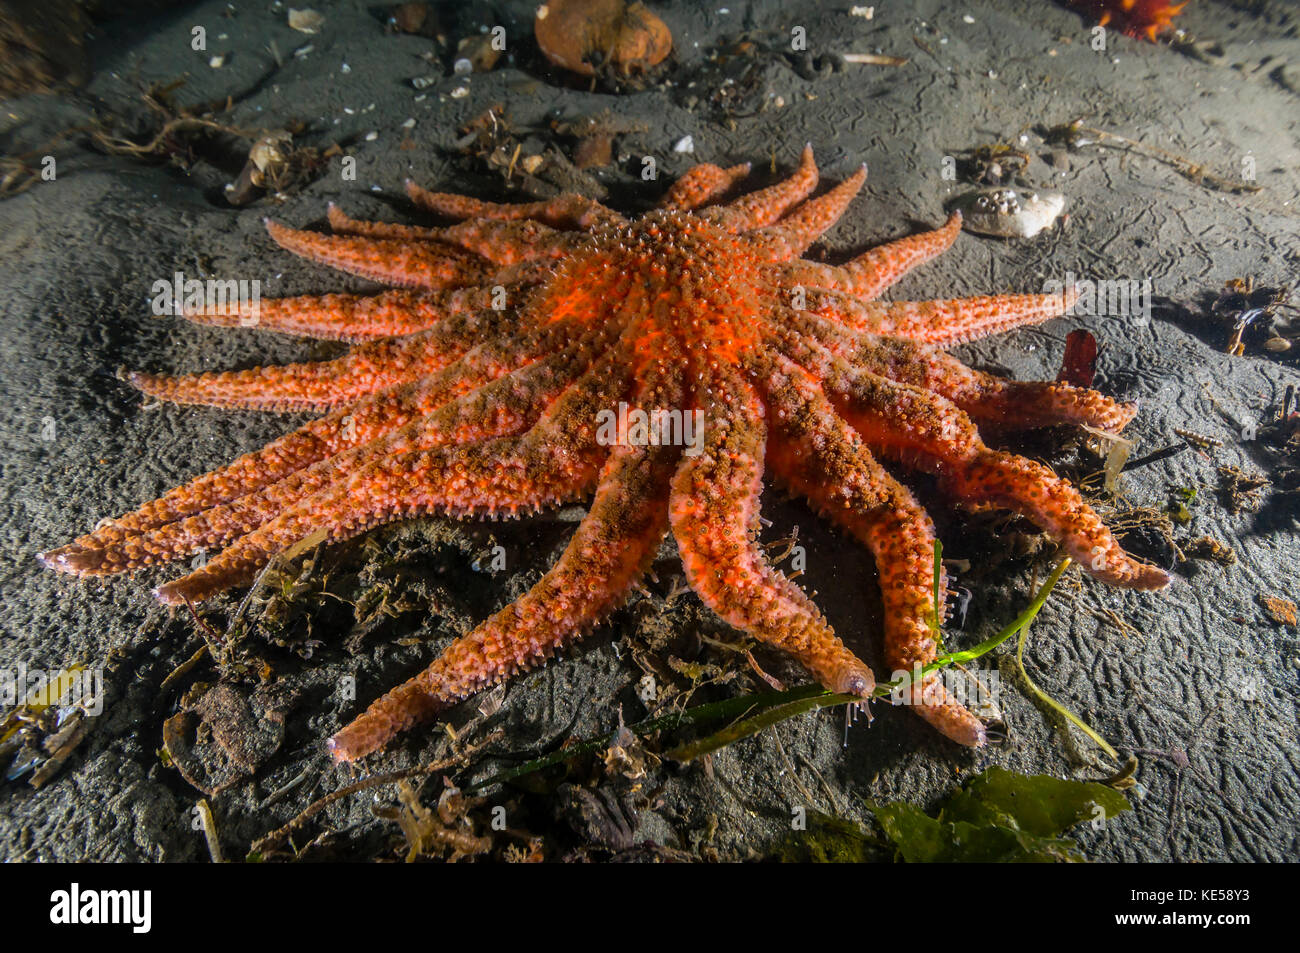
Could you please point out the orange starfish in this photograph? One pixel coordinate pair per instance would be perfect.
(1135, 18)
(490, 388)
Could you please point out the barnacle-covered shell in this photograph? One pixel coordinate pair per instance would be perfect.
(1009, 213)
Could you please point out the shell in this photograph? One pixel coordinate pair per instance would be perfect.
(306, 21)
(631, 37)
(1009, 213)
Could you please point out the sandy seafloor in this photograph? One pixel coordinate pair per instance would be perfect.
(79, 255)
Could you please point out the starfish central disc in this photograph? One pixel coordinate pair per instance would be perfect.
(700, 286)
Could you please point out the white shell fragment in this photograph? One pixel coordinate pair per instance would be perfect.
(306, 21)
(1009, 213)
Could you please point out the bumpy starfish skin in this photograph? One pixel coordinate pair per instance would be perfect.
(477, 390)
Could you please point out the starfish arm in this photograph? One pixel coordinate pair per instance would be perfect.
(1009, 405)
(791, 237)
(762, 208)
(313, 385)
(700, 185)
(474, 479)
(511, 243)
(502, 243)
(819, 457)
(945, 322)
(508, 405)
(567, 211)
(714, 511)
(346, 317)
(357, 424)
(401, 263)
(924, 430)
(343, 224)
(1025, 405)
(555, 461)
(1034, 491)
(927, 431)
(610, 551)
(360, 423)
(811, 339)
(303, 447)
(872, 272)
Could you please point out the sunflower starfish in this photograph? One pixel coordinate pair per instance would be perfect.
(480, 388)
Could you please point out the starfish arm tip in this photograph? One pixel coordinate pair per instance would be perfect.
(62, 559)
(1153, 577)
(857, 681)
(335, 748)
(166, 594)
